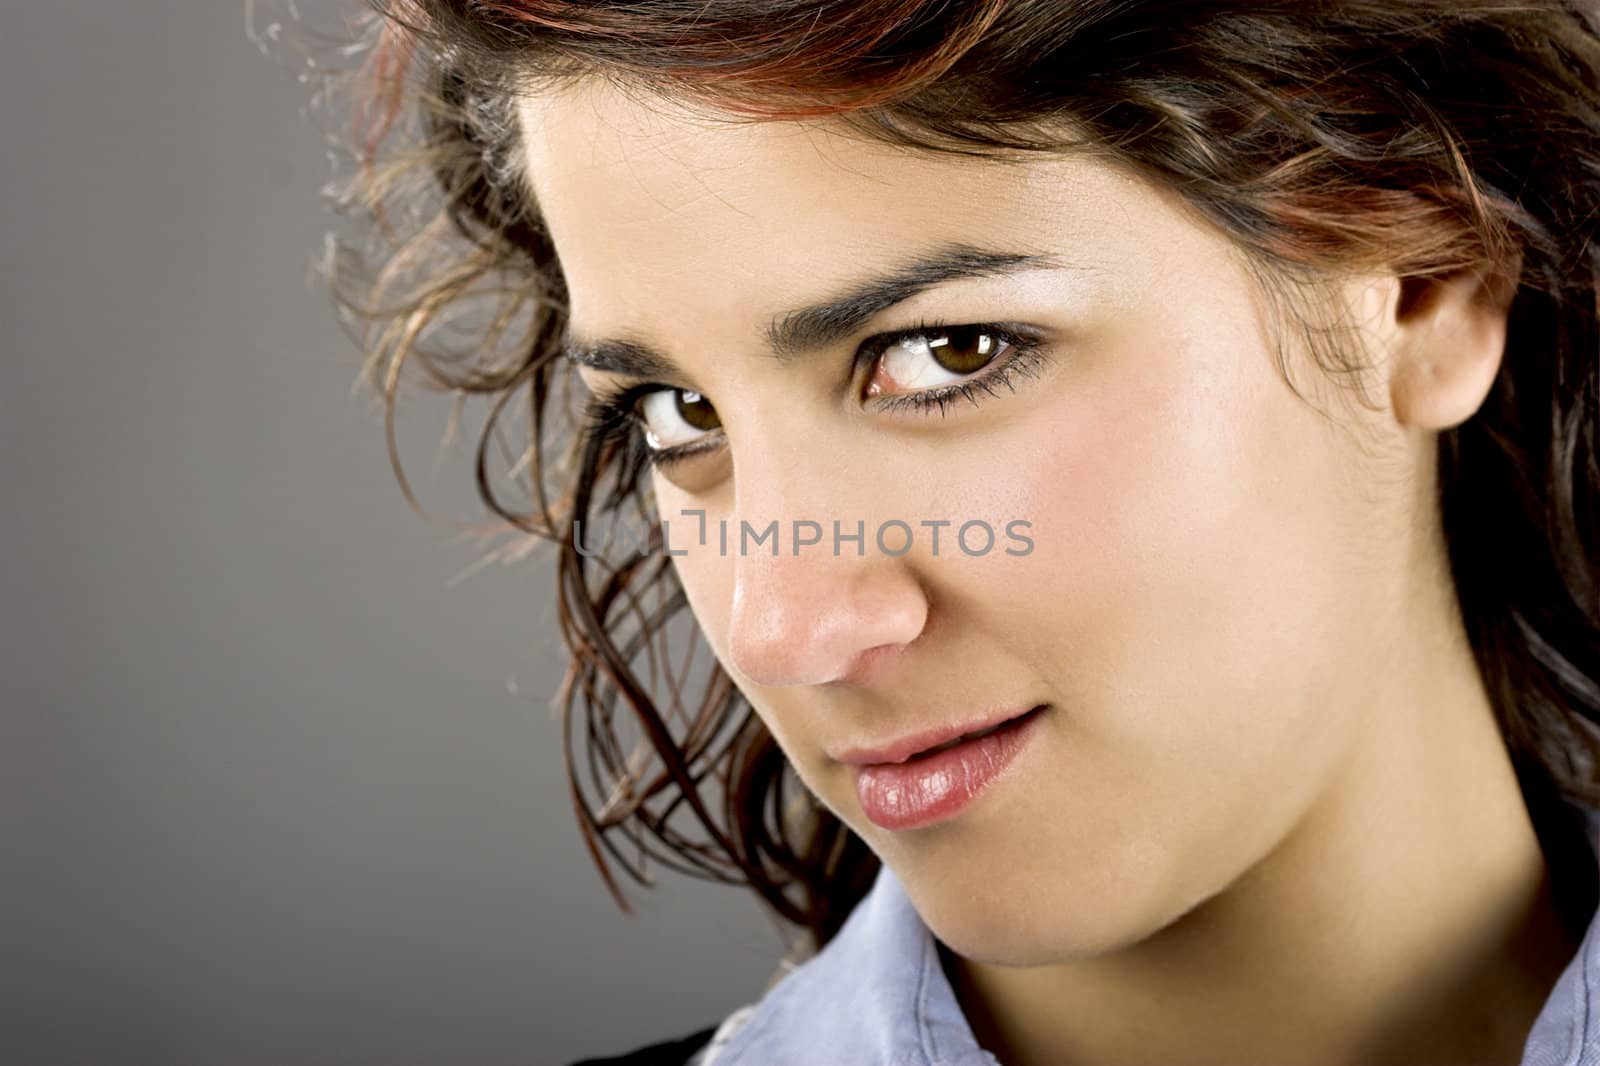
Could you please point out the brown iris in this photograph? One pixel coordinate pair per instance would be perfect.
(695, 409)
(964, 349)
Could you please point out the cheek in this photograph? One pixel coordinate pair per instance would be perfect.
(1189, 597)
(705, 573)
(707, 569)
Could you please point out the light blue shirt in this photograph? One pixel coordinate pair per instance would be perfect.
(876, 995)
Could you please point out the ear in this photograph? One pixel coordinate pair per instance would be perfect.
(1447, 338)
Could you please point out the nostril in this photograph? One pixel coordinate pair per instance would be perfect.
(814, 620)
(869, 662)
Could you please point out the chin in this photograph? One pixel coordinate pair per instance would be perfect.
(1029, 922)
(1032, 940)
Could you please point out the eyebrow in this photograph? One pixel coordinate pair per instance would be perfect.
(810, 329)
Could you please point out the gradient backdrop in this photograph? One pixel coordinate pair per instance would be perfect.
(273, 790)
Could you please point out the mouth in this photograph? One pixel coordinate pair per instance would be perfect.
(932, 742)
(936, 783)
(1009, 723)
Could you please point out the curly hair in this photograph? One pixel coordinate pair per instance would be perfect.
(1424, 137)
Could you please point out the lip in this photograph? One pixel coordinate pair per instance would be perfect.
(898, 751)
(933, 788)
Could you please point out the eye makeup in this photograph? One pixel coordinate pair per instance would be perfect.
(614, 415)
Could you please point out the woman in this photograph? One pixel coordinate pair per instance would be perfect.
(1135, 465)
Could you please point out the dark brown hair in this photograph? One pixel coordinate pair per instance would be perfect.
(1423, 137)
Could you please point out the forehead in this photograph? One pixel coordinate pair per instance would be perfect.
(649, 200)
(613, 147)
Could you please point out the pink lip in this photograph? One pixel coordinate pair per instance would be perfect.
(933, 788)
(897, 751)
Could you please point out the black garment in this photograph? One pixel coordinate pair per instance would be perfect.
(666, 1053)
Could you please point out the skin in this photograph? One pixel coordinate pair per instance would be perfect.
(1268, 817)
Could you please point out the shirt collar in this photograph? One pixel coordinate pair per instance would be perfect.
(1567, 1030)
(876, 995)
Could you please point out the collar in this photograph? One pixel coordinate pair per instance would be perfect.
(876, 995)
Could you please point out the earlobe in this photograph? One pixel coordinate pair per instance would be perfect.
(1449, 339)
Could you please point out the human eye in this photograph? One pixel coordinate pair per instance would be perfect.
(937, 363)
(933, 364)
(676, 424)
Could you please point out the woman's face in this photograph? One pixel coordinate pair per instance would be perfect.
(1212, 575)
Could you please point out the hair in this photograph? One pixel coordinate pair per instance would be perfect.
(1424, 137)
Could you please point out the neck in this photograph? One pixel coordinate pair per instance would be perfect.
(1407, 917)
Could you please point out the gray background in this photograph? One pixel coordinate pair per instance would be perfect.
(273, 789)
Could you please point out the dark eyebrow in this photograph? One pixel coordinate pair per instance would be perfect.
(809, 329)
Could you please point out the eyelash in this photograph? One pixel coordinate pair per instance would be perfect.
(612, 416)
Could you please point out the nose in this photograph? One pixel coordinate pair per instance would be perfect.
(816, 617)
(826, 599)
